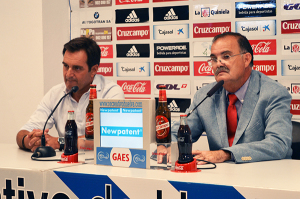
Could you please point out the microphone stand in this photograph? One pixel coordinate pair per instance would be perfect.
(48, 151)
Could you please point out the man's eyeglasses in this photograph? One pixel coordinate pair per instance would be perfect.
(224, 58)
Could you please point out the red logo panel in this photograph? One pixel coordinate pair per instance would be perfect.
(267, 67)
(125, 2)
(171, 68)
(136, 32)
(295, 107)
(263, 47)
(210, 29)
(135, 86)
(201, 68)
(106, 51)
(290, 26)
(105, 69)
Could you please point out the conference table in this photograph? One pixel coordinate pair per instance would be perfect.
(24, 178)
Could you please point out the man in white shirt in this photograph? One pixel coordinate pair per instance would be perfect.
(81, 59)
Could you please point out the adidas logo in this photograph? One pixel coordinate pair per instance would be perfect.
(171, 15)
(133, 52)
(173, 107)
(132, 17)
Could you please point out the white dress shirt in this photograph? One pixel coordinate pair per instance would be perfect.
(105, 90)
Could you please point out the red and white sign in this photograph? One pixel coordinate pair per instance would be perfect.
(295, 107)
(125, 2)
(290, 26)
(171, 68)
(106, 51)
(201, 68)
(135, 86)
(210, 29)
(105, 69)
(263, 47)
(132, 33)
(267, 67)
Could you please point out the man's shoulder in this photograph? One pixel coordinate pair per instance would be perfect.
(269, 83)
(103, 82)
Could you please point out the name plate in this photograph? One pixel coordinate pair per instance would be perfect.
(122, 157)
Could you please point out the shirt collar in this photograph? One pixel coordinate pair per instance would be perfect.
(241, 92)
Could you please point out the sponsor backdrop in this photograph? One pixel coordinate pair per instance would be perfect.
(145, 43)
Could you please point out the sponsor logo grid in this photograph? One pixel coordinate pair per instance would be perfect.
(171, 42)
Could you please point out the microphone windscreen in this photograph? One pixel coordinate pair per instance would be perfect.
(215, 88)
(75, 89)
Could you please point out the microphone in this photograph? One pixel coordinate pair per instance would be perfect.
(209, 94)
(47, 151)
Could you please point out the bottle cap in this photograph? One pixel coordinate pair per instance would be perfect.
(162, 86)
(93, 85)
(70, 111)
(184, 115)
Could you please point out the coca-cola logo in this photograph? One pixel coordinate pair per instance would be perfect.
(202, 69)
(135, 87)
(263, 47)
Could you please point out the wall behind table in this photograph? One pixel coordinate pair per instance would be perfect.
(31, 39)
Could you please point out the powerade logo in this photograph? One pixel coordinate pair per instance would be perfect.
(171, 13)
(136, 15)
(171, 50)
(255, 9)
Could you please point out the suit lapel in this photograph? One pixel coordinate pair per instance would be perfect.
(249, 104)
(220, 110)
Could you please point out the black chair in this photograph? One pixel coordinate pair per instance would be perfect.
(296, 140)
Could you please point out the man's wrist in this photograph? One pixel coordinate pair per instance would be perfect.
(228, 155)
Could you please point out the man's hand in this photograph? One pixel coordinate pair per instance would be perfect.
(35, 139)
(161, 152)
(212, 156)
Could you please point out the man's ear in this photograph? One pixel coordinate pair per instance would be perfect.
(247, 59)
(94, 70)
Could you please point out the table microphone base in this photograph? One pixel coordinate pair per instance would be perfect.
(190, 167)
(69, 158)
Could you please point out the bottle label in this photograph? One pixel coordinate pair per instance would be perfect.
(93, 93)
(89, 123)
(162, 127)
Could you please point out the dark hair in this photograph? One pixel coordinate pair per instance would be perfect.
(90, 47)
(243, 42)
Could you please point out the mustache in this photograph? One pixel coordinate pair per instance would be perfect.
(70, 79)
(221, 69)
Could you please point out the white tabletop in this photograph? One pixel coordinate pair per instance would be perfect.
(13, 157)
